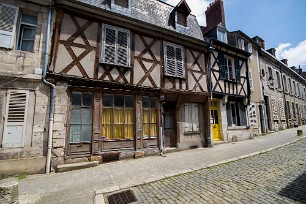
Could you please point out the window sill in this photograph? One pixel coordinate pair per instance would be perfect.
(238, 127)
(192, 133)
(174, 76)
(117, 65)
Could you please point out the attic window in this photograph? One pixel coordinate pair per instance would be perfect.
(182, 13)
(121, 6)
(122, 3)
(181, 18)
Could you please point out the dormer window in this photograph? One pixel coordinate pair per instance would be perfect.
(222, 36)
(182, 12)
(121, 6)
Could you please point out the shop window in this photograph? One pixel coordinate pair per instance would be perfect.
(81, 117)
(149, 117)
(118, 117)
(236, 114)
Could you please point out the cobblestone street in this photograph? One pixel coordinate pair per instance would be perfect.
(278, 176)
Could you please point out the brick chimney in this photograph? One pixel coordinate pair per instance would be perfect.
(215, 14)
(285, 61)
(271, 51)
(259, 41)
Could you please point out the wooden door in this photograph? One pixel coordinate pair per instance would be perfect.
(169, 125)
(216, 120)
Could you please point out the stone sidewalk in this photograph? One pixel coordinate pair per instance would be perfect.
(81, 186)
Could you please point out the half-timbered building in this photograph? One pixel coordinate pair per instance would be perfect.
(130, 77)
(228, 78)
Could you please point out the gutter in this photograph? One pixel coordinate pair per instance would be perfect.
(53, 90)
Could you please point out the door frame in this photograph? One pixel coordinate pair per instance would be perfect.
(219, 119)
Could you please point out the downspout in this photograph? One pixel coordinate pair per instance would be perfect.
(53, 90)
(285, 103)
(210, 50)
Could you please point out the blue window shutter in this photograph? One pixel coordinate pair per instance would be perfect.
(223, 71)
(237, 68)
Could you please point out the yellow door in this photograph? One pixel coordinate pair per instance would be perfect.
(216, 121)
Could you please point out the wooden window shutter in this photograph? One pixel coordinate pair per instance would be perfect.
(8, 20)
(15, 118)
(122, 49)
(229, 114)
(109, 46)
(222, 69)
(237, 69)
(170, 60)
(251, 81)
(242, 114)
(179, 62)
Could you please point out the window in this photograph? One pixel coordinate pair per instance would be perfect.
(285, 83)
(27, 32)
(236, 113)
(288, 109)
(279, 86)
(181, 18)
(229, 68)
(15, 118)
(222, 36)
(81, 117)
(8, 20)
(293, 110)
(116, 46)
(118, 117)
(149, 117)
(121, 6)
(298, 89)
(290, 86)
(241, 44)
(174, 60)
(271, 78)
(250, 48)
(294, 88)
(191, 117)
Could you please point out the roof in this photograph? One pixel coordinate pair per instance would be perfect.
(153, 12)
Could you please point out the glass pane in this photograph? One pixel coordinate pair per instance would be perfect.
(145, 102)
(27, 45)
(107, 131)
(28, 33)
(153, 102)
(87, 99)
(168, 121)
(75, 133)
(75, 117)
(129, 131)
(108, 100)
(129, 116)
(107, 117)
(153, 116)
(146, 116)
(118, 116)
(86, 116)
(26, 18)
(146, 130)
(153, 130)
(86, 133)
(119, 131)
(119, 101)
(216, 119)
(129, 101)
(76, 99)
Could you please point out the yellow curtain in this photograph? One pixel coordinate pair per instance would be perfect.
(107, 126)
(119, 123)
(153, 116)
(129, 123)
(153, 130)
(146, 116)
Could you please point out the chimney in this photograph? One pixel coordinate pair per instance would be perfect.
(285, 61)
(300, 70)
(271, 51)
(259, 41)
(293, 68)
(215, 14)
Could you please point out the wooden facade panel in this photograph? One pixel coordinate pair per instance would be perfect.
(117, 145)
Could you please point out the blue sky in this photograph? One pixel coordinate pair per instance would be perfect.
(281, 23)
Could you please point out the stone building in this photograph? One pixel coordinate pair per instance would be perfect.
(131, 80)
(23, 96)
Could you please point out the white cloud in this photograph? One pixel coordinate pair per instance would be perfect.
(295, 54)
(198, 8)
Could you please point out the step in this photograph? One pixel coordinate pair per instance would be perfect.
(76, 166)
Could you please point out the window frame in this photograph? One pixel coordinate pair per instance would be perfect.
(23, 25)
(279, 85)
(223, 37)
(150, 123)
(192, 111)
(103, 46)
(227, 67)
(236, 112)
(166, 73)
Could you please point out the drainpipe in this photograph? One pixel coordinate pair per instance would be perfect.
(210, 50)
(53, 90)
